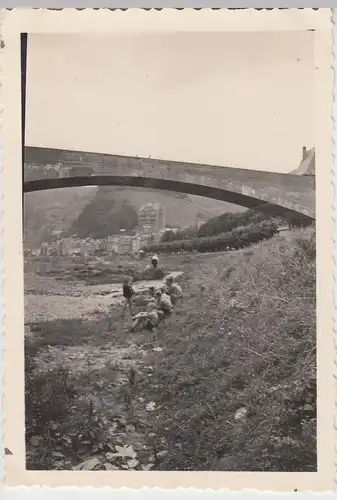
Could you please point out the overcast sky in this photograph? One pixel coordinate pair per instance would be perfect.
(237, 99)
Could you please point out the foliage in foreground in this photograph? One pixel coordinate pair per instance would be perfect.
(235, 384)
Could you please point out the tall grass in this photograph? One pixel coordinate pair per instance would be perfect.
(245, 338)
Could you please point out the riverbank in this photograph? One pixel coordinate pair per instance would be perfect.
(47, 299)
(227, 381)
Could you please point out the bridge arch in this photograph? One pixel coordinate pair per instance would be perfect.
(217, 193)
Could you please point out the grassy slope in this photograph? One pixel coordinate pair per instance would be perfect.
(244, 337)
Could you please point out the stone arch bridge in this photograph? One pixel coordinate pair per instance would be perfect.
(273, 193)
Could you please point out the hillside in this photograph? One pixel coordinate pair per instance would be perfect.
(71, 210)
(105, 215)
(48, 211)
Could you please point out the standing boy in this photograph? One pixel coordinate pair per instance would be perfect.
(128, 292)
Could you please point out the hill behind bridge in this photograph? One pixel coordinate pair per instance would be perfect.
(81, 210)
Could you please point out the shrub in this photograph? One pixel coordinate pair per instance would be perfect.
(229, 221)
(235, 239)
(183, 234)
(48, 397)
(307, 242)
(218, 225)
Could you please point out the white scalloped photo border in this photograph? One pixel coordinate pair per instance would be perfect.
(139, 20)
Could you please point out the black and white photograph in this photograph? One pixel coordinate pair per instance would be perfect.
(170, 188)
(170, 293)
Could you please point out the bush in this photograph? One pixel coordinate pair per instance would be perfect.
(183, 234)
(218, 225)
(235, 239)
(229, 221)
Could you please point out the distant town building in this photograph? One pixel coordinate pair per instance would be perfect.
(136, 243)
(152, 215)
(112, 244)
(44, 248)
(125, 244)
(56, 234)
(72, 246)
(200, 220)
(146, 239)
